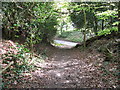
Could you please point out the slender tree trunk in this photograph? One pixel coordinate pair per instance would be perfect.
(111, 21)
(111, 18)
(61, 27)
(84, 39)
(119, 16)
(96, 25)
(102, 24)
(66, 27)
(84, 32)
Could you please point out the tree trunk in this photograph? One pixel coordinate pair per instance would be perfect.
(45, 40)
(96, 25)
(102, 24)
(61, 27)
(111, 21)
(84, 39)
(119, 16)
(84, 32)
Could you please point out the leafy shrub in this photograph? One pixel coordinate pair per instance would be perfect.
(107, 31)
(19, 66)
(31, 20)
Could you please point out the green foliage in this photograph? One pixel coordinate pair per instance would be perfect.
(75, 36)
(64, 34)
(45, 21)
(116, 23)
(35, 21)
(107, 31)
(98, 15)
(19, 66)
(107, 14)
(77, 15)
(15, 15)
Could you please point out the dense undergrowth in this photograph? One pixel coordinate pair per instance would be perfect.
(108, 31)
(16, 60)
(110, 48)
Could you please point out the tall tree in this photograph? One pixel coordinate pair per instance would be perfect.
(119, 16)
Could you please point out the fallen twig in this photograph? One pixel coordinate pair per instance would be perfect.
(6, 58)
(6, 67)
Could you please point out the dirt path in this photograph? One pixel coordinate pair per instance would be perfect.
(67, 68)
(70, 68)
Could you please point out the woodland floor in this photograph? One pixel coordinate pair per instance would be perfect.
(70, 68)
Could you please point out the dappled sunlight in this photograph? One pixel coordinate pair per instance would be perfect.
(68, 68)
(60, 44)
(68, 71)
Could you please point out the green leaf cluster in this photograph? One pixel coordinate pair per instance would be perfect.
(107, 31)
(107, 14)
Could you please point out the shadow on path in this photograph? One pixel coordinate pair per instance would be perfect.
(67, 69)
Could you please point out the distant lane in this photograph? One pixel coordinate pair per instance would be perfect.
(66, 43)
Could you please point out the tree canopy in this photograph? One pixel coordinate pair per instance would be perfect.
(32, 20)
